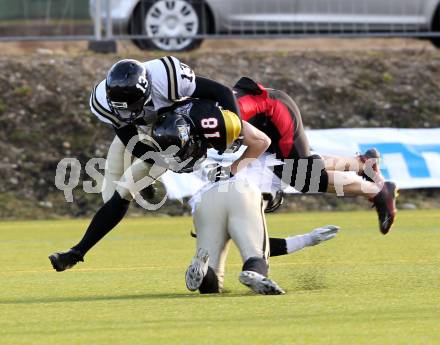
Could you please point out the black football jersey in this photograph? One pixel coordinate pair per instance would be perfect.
(219, 128)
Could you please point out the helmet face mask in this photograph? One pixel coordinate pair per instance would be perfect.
(172, 129)
(194, 150)
(128, 112)
(128, 89)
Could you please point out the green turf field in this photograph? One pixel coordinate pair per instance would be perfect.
(360, 288)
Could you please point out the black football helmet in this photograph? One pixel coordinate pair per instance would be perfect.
(174, 129)
(128, 89)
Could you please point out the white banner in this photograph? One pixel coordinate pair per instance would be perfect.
(410, 157)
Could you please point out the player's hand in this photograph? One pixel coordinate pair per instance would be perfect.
(220, 173)
(324, 233)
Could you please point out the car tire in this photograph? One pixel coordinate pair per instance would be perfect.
(436, 28)
(169, 17)
(436, 42)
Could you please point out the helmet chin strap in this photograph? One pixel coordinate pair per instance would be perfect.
(134, 115)
(148, 100)
(186, 117)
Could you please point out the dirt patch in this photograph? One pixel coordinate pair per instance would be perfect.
(44, 113)
(238, 45)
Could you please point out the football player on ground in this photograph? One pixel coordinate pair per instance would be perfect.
(130, 99)
(276, 114)
(234, 209)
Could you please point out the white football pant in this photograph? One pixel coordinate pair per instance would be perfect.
(232, 211)
(120, 167)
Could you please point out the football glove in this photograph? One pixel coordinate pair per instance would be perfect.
(322, 234)
(220, 173)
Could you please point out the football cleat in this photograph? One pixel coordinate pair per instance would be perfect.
(197, 270)
(370, 160)
(260, 284)
(322, 234)
(385, 204)
(65, 260)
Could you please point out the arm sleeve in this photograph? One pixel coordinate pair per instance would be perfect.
(210, 89)
(125, 134)
(171, 78)
(186, 79)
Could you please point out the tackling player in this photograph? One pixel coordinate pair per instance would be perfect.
(130, 99)
(276, 114)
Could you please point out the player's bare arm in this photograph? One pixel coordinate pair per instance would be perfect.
(257, 143)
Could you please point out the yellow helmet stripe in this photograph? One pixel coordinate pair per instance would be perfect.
(232, 126)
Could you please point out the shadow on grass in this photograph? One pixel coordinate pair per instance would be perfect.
(40, 300)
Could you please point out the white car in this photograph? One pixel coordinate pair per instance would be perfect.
(170, 19)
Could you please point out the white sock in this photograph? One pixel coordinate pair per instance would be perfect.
(295, 243)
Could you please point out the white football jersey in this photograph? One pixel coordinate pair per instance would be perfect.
(171, 81)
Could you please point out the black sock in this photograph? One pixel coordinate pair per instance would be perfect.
(210, 283)
(107, 217)
(258, 265)
(278, 246)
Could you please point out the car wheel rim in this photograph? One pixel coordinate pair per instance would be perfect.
(170, 19)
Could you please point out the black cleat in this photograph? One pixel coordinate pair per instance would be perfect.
(370, 159)
(385, 204)
(65, 260)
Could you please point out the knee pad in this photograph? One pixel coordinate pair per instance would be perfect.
(210, 283)
(258, 265)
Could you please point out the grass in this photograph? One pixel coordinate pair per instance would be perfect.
(360, 288)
